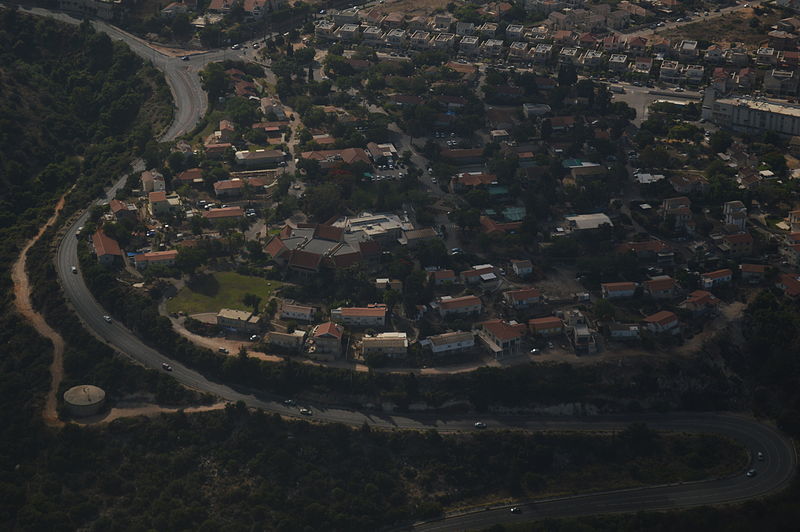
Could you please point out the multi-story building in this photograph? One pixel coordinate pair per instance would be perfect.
(660, 287)
(502, 338)
(753, 116)
(468, 45)
(549, 326)
(618, 290)
(671, 72)
(325, 341)
(291, 311)
(717, 277)
(662, 321)
(522, 298)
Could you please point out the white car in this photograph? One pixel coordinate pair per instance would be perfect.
(107, 319)
(480, 425)
(166, 367)
(74, 269)
(305, 411)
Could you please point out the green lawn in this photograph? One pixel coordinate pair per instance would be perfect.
(209, 293)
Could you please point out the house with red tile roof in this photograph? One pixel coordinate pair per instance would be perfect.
(662, 321)
(661, 287)
(449, 306)
(229, 188)
(548, 326)
(163, 258)
(224, 213)
(331, 158)
(307, 248)
(717, 277)
(522, 298)
(370, 316)
(440, 277)
(618, 290)
(789, 283)
(325, 341)
(752, 273)
(501, 338)
(700, 302)
(106, 248)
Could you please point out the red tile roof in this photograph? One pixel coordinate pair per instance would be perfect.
(524, 294)
(156, 197)
(329, 329)
(459, 302)
(374, 311)
(662, 318)
(105, 245)
(190, 175)
(443, 275)
(226, 212)
(618, 287)
(550, 322)
(717, 274)
(305, 260)
(752, 268)
(659, 285)
(502, 330)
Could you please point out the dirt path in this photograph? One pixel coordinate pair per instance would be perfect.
(22, 300)
(141, 409)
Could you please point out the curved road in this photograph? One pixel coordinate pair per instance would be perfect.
(774, 473)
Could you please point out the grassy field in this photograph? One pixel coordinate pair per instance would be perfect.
(209, 293)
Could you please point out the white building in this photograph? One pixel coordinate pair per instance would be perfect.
(450, 342)
(753, 116)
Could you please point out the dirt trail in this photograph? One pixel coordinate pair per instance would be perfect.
(22, 300)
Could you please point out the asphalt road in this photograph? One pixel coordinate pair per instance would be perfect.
(774, 473)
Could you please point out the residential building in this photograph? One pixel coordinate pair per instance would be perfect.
(240, 320)
(288, 341)
(372, 35)
(717, 277)
(229, 188)
(332, 158)
(325, 29)
(579, 333)
(469, 45)
(662, 321)
(391, 344)
(259, 158)
(155, 258)
(325, 341)
(549, 326)
(450, 342)
(491, 48)
(420, 40)
(694, 74)
(789, 283)
(348, 32)
(543, 53)
(781, 83)
(440, 277)
(290, 311)
(680, 212)
(123, 211)
(152, 181)
(688, 50)
(522, 298)
(465, 28)
(449, 306)
(618, 290)
(670, 72)
(587, 222)
(753, 273)
(618, 63)
(738, 245)
(700, 302)
(518, 51)
(522, 267)
(444, 41)
(397, 38)
(660, 287)
(623, 331)
(501, 338)
(766, 56)
(370, 316)
(483, 273)
(224, 213)
(106, 249)
(593, 59)
(734, 214)
(514, 32)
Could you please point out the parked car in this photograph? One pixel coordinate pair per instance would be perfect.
(223, 350)
(516, 510)
(751, 473)
(166, 367)
(480, 425)
(185, 58)
(305, 411)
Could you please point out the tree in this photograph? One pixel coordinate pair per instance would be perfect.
(720, 141)
(252, 300)
(242, 353)
(214, 81)
(567, 75)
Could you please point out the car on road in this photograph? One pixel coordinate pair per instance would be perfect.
(236, 46)
(455, 251)
(74, 269)
(289, 402)
(166, 367)
(223, 350)
(254, 338)
(107, 319)
(760, 457)
(480, 425)
(535, 351)
(751, 473)
(184, 58)
(433, 180)
(255, 45)
(516, 510)
(305, 411)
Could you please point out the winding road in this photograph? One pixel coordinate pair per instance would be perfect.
(774, 473)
